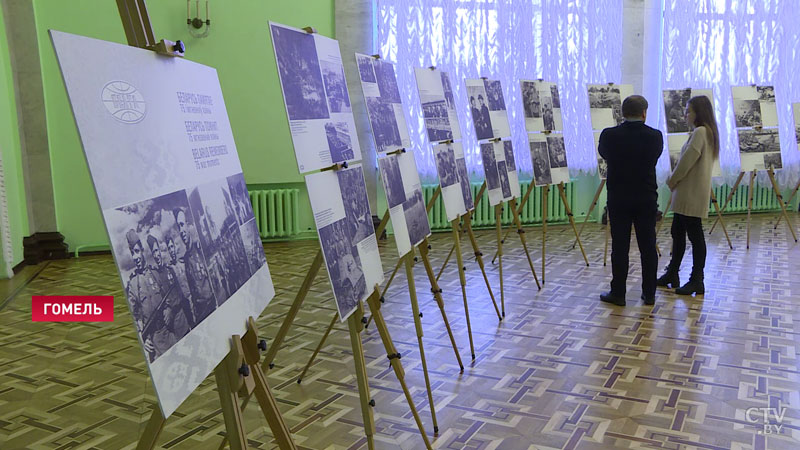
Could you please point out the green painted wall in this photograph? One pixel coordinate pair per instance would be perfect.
(239, 47)
(10, 147)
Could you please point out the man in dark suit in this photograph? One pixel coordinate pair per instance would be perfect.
(631, 151)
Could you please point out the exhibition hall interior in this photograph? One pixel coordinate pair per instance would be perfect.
(399, 224)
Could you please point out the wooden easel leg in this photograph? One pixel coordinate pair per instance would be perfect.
(293, 310)
(727, 200)
(719, 218)
(319, 347)
(412, 291)
(463, 279)
(354, 325)
(545, 201)
(230, 378)
(663, 219)
(446, 260)
(521, 232)
(498, 216)
(591, 208)
(777, 190)
(394, 360)
(750, 205)
(437, 295)
(608, 236)
(563, 194)
(479, 258)
(517, 212)
(788, 202)
(269, 407)
(149, 439)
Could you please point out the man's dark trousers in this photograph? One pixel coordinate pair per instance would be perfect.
(642, 217)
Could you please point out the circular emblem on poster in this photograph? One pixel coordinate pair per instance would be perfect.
(124, 102)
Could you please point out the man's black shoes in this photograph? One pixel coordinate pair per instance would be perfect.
(608, 297)
(649, 301)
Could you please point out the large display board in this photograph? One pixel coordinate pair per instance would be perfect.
(384, 106)
(541, 106)
(438, 104)
(453, 179)
(161, 154)
(754, 107)
(500, 169)
(605, 104)
(678, 132)
(346, 235)
(488, 108)
(406, 202)
(316, 98)
(549, 158)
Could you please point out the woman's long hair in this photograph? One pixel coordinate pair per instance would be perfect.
(704, 116)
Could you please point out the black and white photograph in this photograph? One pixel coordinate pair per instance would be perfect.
(554, 96)
(773, 160)
(490, 166)
(558, 154)
(393, 180)
(605, 103)
(220, 238)
(335, 87)
(602, 96)
(502, 172)
(547, 114)
(747, 112)
(675, 102)
(253, 247)
(155, 272)
(479, 110)
(494, 95)
(446, 166)
(759, 141)
(508, 149)
(344, 266)
(300, 74)
(365, 71)
(240, 197)
(437, 122)
(602, 168)
(338, 136)
(384, 124)
(673, 160)
(356, 204)
(466, 185)
(541, 163)
(448, 91)
(416, 218)
(766, 93)
(387, 82)
(531, 104)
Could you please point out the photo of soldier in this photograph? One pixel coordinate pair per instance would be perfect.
(530, 100)
(194, 266)
(494, 95)
(356, 204)
(177, 312)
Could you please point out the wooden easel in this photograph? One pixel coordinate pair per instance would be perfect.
(775, 188)
(789, 202)
(238, 373)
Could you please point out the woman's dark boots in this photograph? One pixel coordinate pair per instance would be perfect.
(670, 278)
(694, 286)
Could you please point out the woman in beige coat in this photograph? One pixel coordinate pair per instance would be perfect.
(690, 183)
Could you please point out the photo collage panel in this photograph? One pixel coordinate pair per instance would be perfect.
(605, 104)
(541, 105)
(405, 199)
(438, 105)
(454, 179)
(384, 106)
(500, 170)
(754, 106)
(549, 159)
(487, 109)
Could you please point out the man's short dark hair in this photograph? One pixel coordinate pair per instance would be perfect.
(634, 106)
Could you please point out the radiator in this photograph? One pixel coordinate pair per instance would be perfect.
(764, 199)
(484, 213)
(276, 212)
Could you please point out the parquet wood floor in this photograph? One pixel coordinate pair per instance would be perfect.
(561, 371)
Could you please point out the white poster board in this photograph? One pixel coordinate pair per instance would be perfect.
(406, 202)
(754, 106)
(602, 166)
(541, 106)
(487, 108)
(605, 104)
(346, 234)
(675, 143)
(438, 104)
(759, 149)
(161, 154)
(316, 98)
(453, 179)
(549, 158)
(675, 101)
(500, 169)
(384, 105)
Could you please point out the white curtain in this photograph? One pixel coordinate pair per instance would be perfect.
(572, 42)
(722, 43)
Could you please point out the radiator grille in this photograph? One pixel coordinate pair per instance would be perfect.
(276, 212)
(484, 213)
(764, 199)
